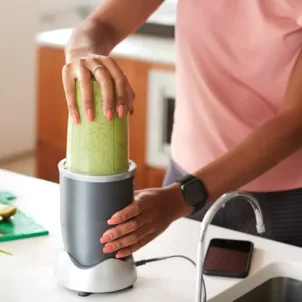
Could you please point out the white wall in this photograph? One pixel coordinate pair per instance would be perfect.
(17, 76)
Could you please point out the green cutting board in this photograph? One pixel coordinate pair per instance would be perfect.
(20, 226)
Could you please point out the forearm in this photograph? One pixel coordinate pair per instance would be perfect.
(89, 38)
(107, 26)
(262, 150)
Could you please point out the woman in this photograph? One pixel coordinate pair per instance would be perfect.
(238, 116)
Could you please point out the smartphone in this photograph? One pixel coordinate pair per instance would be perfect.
(228, 258)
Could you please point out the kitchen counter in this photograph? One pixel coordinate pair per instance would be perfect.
(136, 46)
(27, 275)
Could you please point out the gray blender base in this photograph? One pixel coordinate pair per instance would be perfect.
(110, 275)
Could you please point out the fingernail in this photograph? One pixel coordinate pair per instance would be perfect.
(89, 113)
(108, 249)
(114, 220)
(131, 112)
(120, 255)
(106, 238)
(109, 114)
(121, 110)
(75, 118)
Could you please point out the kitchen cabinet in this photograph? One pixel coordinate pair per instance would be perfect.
(52, 116)
(48, 156)
(153, 177)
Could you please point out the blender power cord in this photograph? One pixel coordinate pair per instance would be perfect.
(143, 262)
(146, 261)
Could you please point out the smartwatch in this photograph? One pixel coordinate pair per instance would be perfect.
(193, 191)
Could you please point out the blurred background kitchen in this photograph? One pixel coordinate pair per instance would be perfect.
(33, 112)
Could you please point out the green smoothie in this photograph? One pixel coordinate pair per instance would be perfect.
(99, 147)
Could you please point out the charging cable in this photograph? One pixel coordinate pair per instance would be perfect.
(146, 261)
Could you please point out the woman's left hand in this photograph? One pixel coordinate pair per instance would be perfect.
(152, 211)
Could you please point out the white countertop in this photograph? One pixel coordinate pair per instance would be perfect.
(136, 46)
(28, 274)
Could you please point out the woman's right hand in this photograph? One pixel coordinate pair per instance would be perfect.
(117, 93)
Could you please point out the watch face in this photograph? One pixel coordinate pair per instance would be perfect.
(195, 192)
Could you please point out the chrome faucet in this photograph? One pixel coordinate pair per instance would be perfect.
(208, 219)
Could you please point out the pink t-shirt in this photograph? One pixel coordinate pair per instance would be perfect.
(234, 59)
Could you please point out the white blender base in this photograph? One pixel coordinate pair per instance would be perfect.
(109, 276)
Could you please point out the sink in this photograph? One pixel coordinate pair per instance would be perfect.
(278, 289)
(276, 282)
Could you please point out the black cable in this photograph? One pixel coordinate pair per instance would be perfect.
(145, 261)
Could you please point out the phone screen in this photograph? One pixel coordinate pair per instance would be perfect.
(228, 258)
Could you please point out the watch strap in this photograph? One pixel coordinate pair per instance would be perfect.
(199, 189)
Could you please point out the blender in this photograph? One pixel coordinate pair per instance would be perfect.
(96, 181)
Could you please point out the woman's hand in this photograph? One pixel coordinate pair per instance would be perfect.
(117, 93)
(147, 217)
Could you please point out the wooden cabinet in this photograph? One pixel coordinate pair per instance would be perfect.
(51, 113)
(52, 116)
(52, 109)
(48, 156)
(154, 177)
